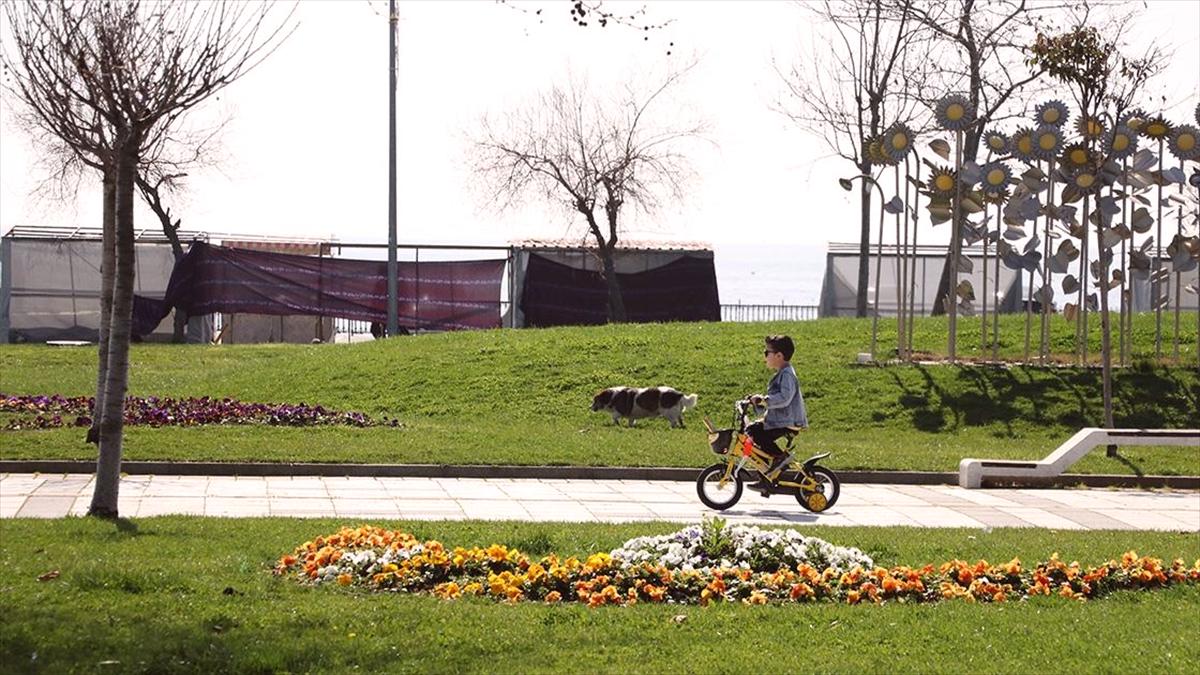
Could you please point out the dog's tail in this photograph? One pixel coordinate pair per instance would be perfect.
(688, 403)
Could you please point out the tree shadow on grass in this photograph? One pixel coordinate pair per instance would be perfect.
(953, 397)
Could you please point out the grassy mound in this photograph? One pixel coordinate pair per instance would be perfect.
(522, 397)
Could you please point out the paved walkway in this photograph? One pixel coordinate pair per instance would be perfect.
(358, 498)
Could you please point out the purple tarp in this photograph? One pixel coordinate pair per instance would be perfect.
(209, 279)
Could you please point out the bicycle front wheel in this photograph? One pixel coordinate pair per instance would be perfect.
(713, 493)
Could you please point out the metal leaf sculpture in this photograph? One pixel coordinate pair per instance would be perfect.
(1183, 142)
(941, 147)
(954, 113)
(1051, 112)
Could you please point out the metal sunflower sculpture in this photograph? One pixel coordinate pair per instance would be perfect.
(996, 177)
(1085, 180)
(1023, 146)
(898, 142)
(1134, 119)
(1198, 113)
(1185, 142)
(942, 182)
(1051, 112)
(1121, 143)
(1074, 156)
(1156, 127)
(954, 113)
(997, 143)
(1048, 140)
(875, 151)
(1089, 127)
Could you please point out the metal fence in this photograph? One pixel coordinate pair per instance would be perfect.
(744, 313)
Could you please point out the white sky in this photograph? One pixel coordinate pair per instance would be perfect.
(305, 152)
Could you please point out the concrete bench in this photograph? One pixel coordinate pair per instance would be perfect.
(973, 472)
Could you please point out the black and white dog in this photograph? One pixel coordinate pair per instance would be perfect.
(634, 403)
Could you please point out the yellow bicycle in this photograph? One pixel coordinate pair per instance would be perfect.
(720, 485)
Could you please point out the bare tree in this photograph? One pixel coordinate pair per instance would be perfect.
(112, 79)
(594, 156)
(850, 88)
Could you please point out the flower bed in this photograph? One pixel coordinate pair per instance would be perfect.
(46, 412)
(701, 564)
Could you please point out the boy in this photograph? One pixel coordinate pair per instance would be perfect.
(783, 401)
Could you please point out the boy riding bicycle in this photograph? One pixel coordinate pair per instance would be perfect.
(784, 402)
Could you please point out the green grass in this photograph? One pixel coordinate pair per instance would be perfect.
(184, 594)
(522, 397)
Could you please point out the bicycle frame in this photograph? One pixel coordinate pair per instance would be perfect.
(742, 452)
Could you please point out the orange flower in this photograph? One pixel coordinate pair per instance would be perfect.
(757, 598)
(800, 591)
(553, 597)
(288, 560)
(852, 597)
(344, 579)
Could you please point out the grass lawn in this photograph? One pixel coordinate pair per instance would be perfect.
(522, 397)
(196, 595)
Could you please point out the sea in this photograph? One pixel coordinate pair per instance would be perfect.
(769, 274)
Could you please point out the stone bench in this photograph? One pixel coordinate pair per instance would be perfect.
(973, 472)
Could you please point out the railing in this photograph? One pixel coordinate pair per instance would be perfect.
(743, 313)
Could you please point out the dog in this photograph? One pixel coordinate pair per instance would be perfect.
(634, 403)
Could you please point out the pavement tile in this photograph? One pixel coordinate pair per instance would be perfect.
(881, 495)
(990, 498)
(301, 506)
(237, 507)
(940, 516)
(55, 506)
(1039, 517)
(488, 509)
(474, 490)
(931, 494)
(991, 517)
(355, 507)
(73, 486)
(875, 515)
(237, 487)
(174, 506)
(1088, 518)
(1143, 519)
(10, 504)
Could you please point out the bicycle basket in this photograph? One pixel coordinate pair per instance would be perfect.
(720, 440)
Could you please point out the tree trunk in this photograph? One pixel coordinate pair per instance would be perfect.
(864, 243)
(112, 422)
(1105, 336)
(181, 318)
(108, 259)
(616, 303)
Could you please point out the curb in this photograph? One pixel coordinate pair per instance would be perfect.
(556, 472)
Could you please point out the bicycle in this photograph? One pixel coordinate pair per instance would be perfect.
(720, 486)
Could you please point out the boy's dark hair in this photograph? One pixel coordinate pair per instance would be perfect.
(782, 344)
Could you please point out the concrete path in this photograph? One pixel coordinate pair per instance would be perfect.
(358, 498)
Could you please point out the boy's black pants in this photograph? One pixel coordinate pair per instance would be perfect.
(765, 438)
